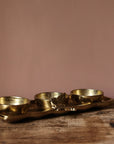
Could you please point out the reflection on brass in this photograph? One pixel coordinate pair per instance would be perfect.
(86, 95)
(51, 100)
(14, 104)
(13, 108)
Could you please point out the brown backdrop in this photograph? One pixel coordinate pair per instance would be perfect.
(56, 45)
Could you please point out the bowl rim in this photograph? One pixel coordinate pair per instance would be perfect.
(38, 96)
(102, 93)
(17, 97)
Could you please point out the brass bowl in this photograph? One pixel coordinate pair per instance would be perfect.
(50, 100)
(81, 96)
(14, 104)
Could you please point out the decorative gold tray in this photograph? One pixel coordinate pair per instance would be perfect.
(13, 108)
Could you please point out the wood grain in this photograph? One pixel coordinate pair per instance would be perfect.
(95, 126)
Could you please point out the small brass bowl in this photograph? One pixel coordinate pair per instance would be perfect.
(14, 104)
(50, 100)
(81, 96)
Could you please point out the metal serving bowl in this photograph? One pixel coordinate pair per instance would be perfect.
(14, 104)
(50, 100)
(86, 95)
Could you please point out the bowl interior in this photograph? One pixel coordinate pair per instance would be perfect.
(48, 95)
(13, 100)
(87, 92)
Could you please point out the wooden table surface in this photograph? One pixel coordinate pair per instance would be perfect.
(92, 127)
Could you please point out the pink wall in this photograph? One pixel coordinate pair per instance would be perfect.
(56, 45)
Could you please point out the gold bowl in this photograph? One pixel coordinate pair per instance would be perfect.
(81, 96)
(14, 104)
(50, 100)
